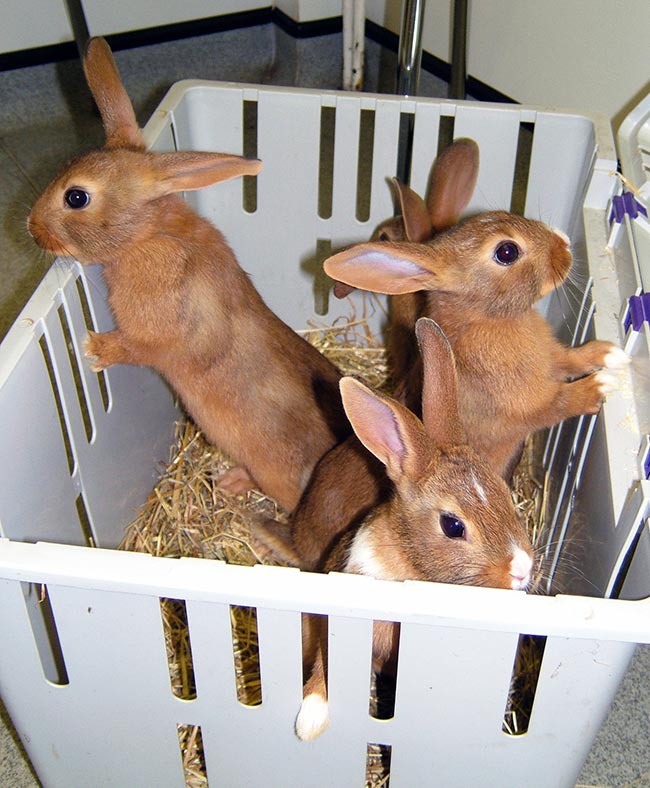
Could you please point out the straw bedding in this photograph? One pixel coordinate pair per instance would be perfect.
(187, 515)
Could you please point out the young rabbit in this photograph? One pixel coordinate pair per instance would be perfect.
(181, 302)
(451, 185)
(482, 279)
(449, 518)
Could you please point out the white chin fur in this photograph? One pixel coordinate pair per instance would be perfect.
(363, 559)
(313, 717)
(521, 567)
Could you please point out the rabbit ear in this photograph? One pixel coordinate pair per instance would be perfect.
(387, 429)
(385, 267)
(417, 224)
(190, 170)
(439, 386)
(113, 103)
(453, 179)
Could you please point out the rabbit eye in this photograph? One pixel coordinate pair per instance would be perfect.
(506, 253)
(452, 527)
(76, 199)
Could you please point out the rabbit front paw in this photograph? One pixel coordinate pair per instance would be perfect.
(592, 356)
(616, 358)
(104, 350)
(595, 388)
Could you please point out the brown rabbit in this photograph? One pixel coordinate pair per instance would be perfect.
(451, 185)
(482, 279)
(449, 518)
(181, 302)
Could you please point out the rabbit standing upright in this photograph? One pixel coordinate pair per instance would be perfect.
(181, 302)
(445, 515)
(481, 279)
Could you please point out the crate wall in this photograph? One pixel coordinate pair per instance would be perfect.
(85, 674)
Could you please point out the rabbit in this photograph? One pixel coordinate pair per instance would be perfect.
(481, 279)
(181, 302)
(451, 185)
(446, 518)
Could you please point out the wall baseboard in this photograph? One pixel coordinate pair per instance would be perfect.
(217, 24)
(144, 37)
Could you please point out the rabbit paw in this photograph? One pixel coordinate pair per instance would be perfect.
(606, 382)
(592, 356)
(236, 480)
(313, 717)
(105, 349)
(616, 358)
(600, 384)
(93, 351)
(604, 355)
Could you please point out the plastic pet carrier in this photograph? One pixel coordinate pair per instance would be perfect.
(83, 665)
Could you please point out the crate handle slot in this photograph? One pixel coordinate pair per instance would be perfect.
(326, 161)
(46, 637)
(249, 149)
(179, 648)
(523, 684)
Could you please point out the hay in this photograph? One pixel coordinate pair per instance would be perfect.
(186, 514)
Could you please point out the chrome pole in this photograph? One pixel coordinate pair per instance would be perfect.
(458, 78)
(78, 24)
(410, 47)
(409, 59)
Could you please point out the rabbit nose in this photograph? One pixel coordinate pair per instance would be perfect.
(520, 568)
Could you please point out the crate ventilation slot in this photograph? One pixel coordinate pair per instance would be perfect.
(190, 740)
(86, 310)
(46, 637)
(248, 677)
(378, 761)
(382, 700)
(56, 393)
(523, 684)
(249, 144)
(179, 648)
(364, 164)
(326, 161)
(322, 282)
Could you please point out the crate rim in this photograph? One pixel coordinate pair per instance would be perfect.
(607, 155)
(347, 595)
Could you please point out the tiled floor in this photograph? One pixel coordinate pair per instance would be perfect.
(46, 115)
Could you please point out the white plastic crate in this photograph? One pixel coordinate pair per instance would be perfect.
(93, 702)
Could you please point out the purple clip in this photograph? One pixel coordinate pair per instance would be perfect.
(638, 312)
(625, 204)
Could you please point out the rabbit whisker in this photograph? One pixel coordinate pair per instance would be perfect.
(28, 179)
